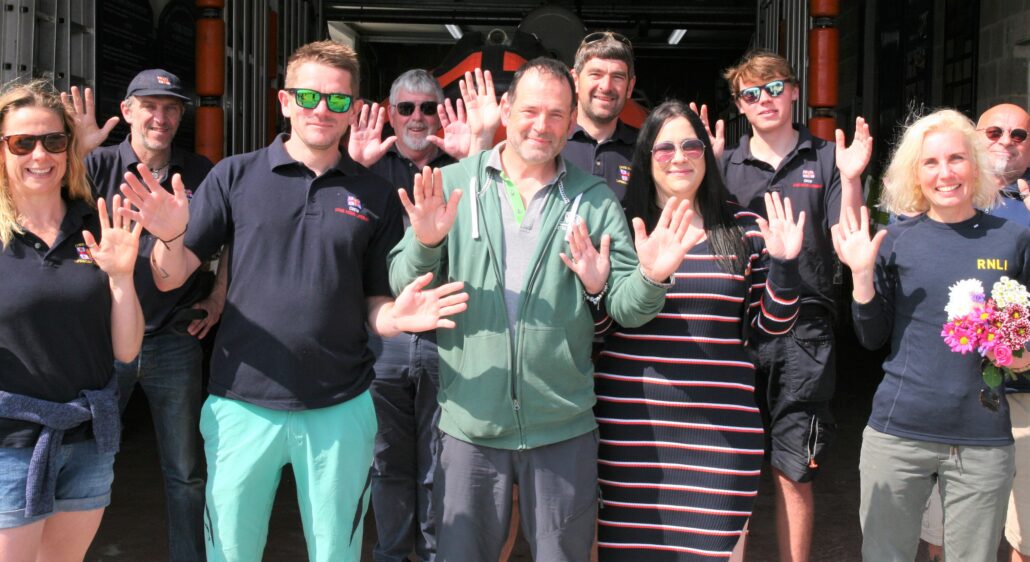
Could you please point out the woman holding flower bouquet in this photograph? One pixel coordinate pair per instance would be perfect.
(933, 417)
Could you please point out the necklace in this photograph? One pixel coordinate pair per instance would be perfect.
(158, 172)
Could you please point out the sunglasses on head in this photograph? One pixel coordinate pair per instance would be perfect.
(20, 145)
(995, 133)
(666, 151)
(406, 108)
(604, 36)
(754, 93)
(308, 99)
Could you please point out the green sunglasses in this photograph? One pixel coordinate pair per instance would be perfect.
(308, 99)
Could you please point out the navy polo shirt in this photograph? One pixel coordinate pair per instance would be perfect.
(395, 168)
(609, 159)
(1010, 206)
(809, 177)
(307, 251)
(106, 167)
(55, 321)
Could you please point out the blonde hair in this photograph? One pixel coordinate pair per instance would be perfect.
(901, 190)
(329, 53)
(39, 93)
(758, 66)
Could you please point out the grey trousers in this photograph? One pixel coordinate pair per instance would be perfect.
(557, 499)
(897, 476)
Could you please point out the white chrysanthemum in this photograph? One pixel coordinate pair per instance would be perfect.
(1009, 291)
(963, 296)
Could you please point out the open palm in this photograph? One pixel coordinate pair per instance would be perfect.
(662, 251)
(783, 236)
(115, 254)
(417, 309)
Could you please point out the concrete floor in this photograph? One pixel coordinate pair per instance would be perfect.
(133, 527)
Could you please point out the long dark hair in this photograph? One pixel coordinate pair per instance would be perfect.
(724, 235)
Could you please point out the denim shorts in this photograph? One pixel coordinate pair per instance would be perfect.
(84, 477)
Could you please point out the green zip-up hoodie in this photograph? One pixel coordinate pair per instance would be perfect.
(537, 387)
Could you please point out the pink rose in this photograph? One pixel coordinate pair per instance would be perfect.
(1003, 355)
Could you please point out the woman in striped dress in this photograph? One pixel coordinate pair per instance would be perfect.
(681, 437)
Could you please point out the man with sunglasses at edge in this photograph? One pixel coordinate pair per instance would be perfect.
(600, 143)
(819, 178)
(169, 366)
(291, 368)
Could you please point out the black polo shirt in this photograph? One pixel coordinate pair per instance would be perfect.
(306, 253)
(809, 177)
(55, 321)
(609, 159)
(395, 168)
(106, 167)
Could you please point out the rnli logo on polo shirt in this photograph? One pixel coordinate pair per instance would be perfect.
(353, 208)
(808, 180)
(995, 264)
(84, 255)
(623, 174)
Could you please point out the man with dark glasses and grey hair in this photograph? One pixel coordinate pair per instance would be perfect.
(796, 375)
(600, 143)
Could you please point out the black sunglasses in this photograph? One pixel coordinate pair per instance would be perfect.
(995, 133)
(406, 108)
(20, 145)
(754, 93)
(604, 36)
(309, 99)
(665, 151)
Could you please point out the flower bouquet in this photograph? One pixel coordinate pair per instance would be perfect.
(997, 328)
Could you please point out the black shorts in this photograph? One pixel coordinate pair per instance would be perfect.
(795, 382)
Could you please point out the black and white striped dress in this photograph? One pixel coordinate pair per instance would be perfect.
(681, 436)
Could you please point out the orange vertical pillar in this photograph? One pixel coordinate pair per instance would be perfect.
(210, 126)
(823, 66)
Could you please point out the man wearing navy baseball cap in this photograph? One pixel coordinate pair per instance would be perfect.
(168, 368)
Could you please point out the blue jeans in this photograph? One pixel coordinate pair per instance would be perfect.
(168, 369)
(404, 394)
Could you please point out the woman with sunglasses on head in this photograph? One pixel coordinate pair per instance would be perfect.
(68, 310)
(681, 436)
(933, 419)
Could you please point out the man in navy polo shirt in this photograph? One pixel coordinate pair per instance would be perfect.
(404, 389)
(168, 367)
(796, 372)
(600, 143)
(290, 371)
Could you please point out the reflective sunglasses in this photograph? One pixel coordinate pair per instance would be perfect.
(406, 108)
(20, 145)
(308, 99)
(666, 151)
(604, 36)
(754, 93)
(995, 133)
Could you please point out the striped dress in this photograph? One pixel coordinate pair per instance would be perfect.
(681, 438)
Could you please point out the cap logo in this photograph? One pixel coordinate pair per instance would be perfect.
(163, 80)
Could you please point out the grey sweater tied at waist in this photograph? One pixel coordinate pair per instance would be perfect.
(101, 406)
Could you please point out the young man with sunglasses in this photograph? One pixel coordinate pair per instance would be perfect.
(169, 366)
(291, 368)
(600, 143)
(796, 373)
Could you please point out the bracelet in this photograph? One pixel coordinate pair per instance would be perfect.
(595, 300)
(169, 241)
(652, 282)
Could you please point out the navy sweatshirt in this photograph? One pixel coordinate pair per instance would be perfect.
(928, 392)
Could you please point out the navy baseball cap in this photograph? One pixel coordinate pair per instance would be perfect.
(156, 82)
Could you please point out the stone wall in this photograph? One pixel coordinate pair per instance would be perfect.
(1004, 54)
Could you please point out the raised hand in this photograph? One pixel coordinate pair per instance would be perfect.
(418, 310)
(852, 160)
(84, 115)
(431, 215)
(457, 134)
(366, 146)
(851, 240)
(718, 137)
(662, 251)
(115, 254)
(592, 267)
(484, 112)
(783, 236)
(163, 214)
